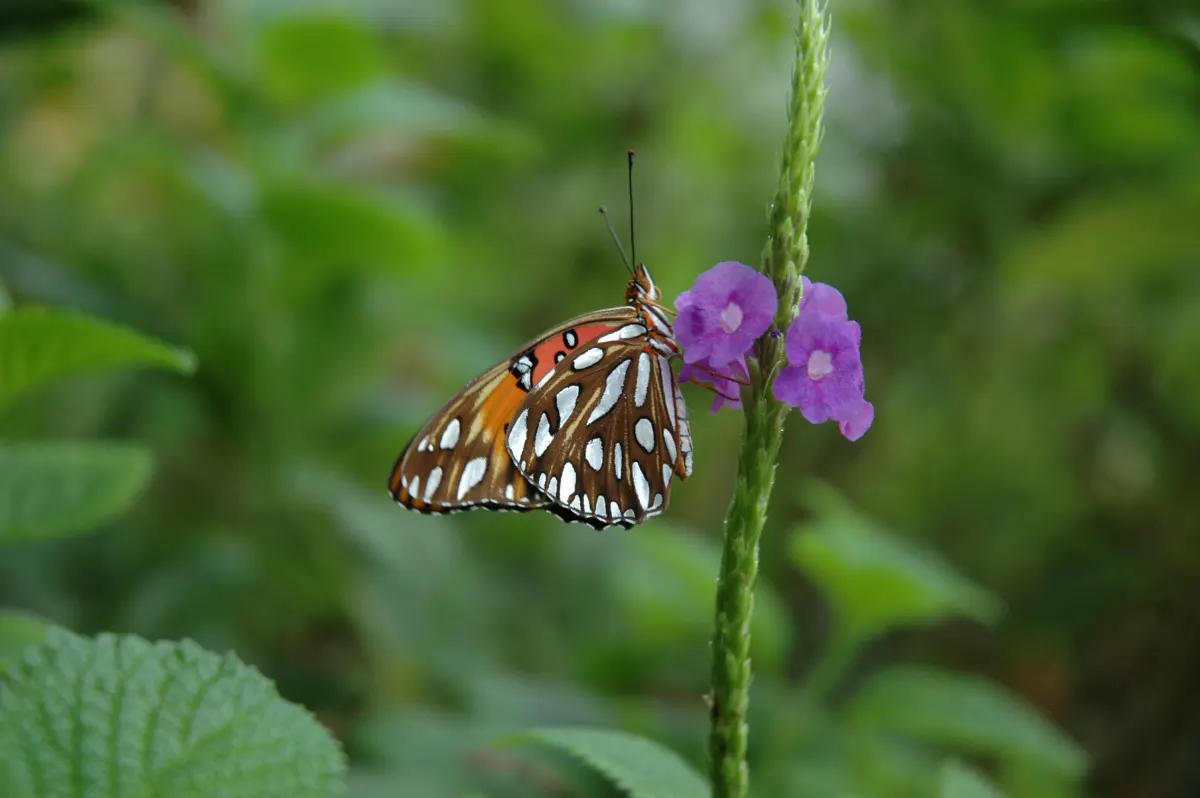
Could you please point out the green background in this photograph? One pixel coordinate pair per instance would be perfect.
(347, 210)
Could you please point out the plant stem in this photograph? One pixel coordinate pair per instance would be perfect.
(784, 258)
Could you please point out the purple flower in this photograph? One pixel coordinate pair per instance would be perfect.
(824, 375)
(729, 306)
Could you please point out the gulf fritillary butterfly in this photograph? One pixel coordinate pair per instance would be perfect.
(586, 421)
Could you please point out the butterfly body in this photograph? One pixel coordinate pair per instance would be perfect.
(586, 421)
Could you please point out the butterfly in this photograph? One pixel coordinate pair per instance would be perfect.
(586, 421)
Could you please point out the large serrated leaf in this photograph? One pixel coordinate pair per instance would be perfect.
(38, 345)
(51, 489)
(18, 631)
(965, 712)
(640, 767)
(958, 780)
(119, 717)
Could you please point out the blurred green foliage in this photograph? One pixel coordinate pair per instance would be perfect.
(346, 210)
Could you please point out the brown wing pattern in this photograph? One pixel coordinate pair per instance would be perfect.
(603, 435)
(457, 461)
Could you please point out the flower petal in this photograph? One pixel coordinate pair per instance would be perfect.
(857, 425)
(822, 298)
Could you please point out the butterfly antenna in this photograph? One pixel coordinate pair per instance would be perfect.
(616, 240)
(632, 240)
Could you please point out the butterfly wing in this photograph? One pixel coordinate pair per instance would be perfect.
(604, 434)
(458, 460)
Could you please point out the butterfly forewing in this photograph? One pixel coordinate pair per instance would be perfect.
(602, 437)
(458, 460)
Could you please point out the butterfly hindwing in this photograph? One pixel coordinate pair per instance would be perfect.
(458, 460)
(602, 437)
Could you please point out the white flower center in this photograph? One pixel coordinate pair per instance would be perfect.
(820, 364)
(731, 317)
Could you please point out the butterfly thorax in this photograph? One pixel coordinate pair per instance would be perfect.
(646, 298)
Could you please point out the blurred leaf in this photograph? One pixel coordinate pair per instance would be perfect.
(396, 107)
(302, 59)
(1131, 236)
(965, 712)
(345, 225)
(38, 345)
(666, 585)
(640, 767)
(52, 489)
(876, 580)
(962, 781)
(119, 716)
(162, 24)
(18, 631)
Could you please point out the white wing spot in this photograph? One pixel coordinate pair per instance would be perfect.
(614, 511)
(643, 430)
(618, 459)
(630, 514)
(642, 386)
(640, 486)
(542, 480)
(566, 488)
(566, 402)
(613, 385)
(414, 486)
(508, 491)
(472, 475)
(669, 442)
(517, 434)
(594, 453)
(570, 338)
(588, 359)
(658, 500)
(435, 479)
(623, 334)
(541, 441)
(450, 436)
(552, 488)
(424, 444)
(576, 505)
(667, 471)
(587, 503)
(601, 506)
(664, 369)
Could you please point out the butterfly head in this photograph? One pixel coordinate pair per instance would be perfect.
(642, 288)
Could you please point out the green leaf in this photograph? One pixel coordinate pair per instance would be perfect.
(302, 59)
(344, 225)
(18, 631)
(119, 716)
(396, 107)
(965, 712)
(876, 580)
(51, 489)
(38, 345)
(641, 768)
(959, 780)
